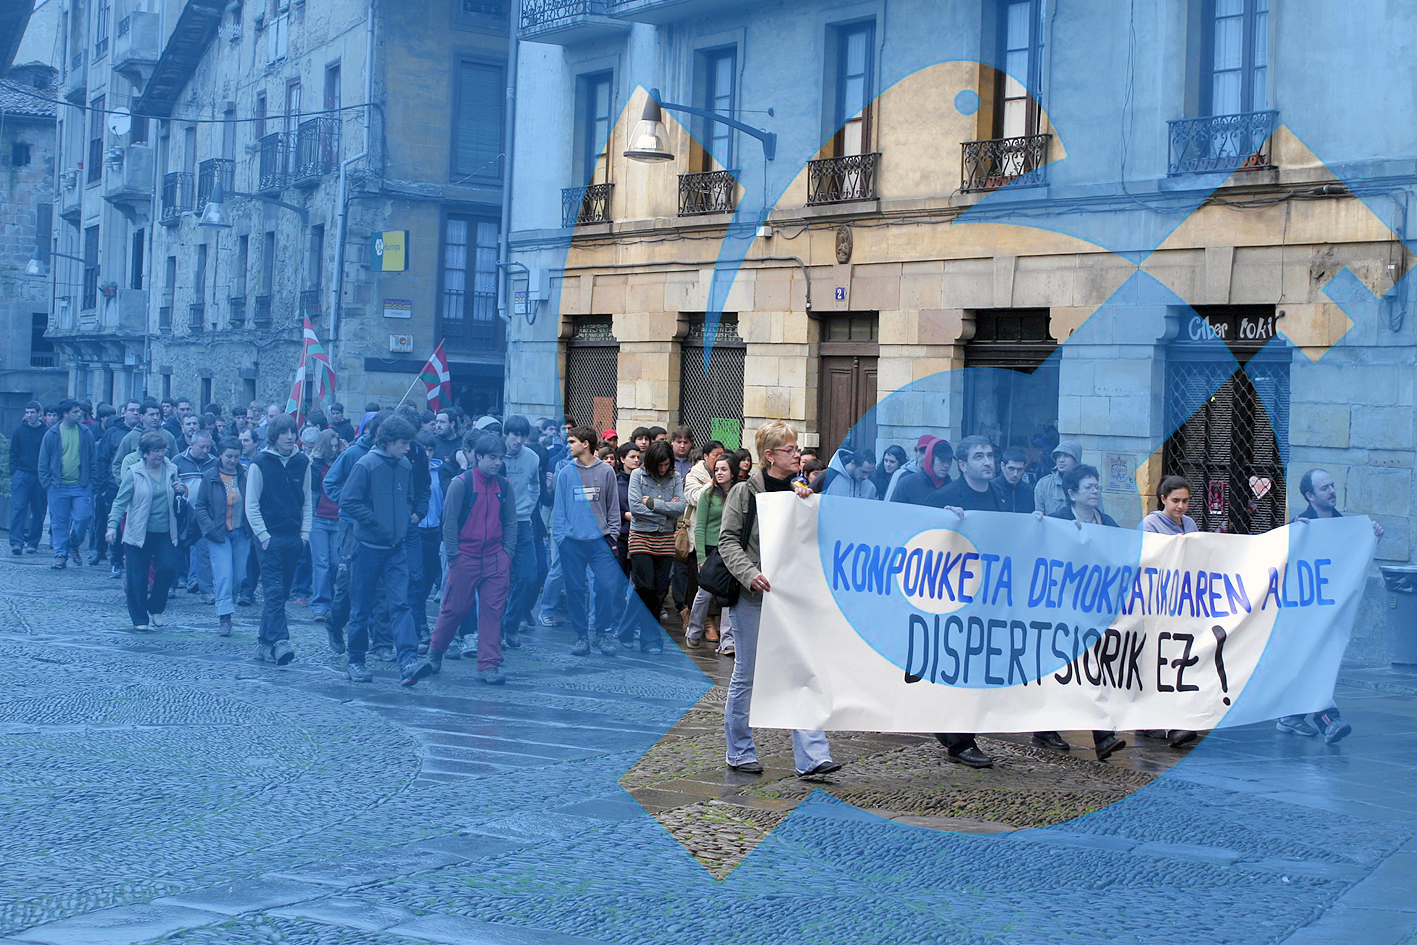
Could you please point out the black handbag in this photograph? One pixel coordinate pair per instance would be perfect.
(714, 575)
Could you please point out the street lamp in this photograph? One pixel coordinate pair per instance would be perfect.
(214, 215)
(647, 144)
(39, 262)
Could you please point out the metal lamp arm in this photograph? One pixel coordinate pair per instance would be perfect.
(768, 138)
(304, 214)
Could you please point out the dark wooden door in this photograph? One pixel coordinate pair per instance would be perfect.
(846, 398)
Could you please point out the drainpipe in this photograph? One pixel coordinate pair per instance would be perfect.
(341, 199)
(509, 146)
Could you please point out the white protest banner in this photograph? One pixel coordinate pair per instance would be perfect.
(895, 618)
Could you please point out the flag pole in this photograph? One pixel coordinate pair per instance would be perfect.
(416, 378)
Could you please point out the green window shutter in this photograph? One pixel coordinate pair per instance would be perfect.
(478, 131)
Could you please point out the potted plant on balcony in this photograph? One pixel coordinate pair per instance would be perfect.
(109, 289)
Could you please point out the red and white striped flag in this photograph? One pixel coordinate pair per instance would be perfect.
(316, 361)
(437, 380)
(295, 403)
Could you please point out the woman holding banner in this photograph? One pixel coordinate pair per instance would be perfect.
(1173, 500)
(738, 546)
(1082, 486)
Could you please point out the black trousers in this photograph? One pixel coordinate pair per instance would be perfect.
(158, 555)
(278, 561)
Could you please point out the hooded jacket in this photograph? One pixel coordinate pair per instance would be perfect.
(587, 503)
(339, 470)
(378, 497)
(51, 457)
(921, 487)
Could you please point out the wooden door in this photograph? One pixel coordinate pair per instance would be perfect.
(846, 396)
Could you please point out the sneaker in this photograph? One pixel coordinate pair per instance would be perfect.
(17, 550)
(224, 625)
(435, 659)
(1336, 730)
(263, 653)
(117, 572)
(357, 673)
(1296, 725)
(245, 600)
(415, 670)
(320, 617)
(336, 640)
(582, 647)
(193, 587)
(693, 643)
(59, 564)
(281, 653)
(454, 651)
(384, 653)
(653, 650)
(546, 621)
(512, 641)
(95, 559)
(492, 677)
(32, 550)
(302, 602)
(605, 643)
(209, 599)
(140, 627)
(155, 619)
(726, 650)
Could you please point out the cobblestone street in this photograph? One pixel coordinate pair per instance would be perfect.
(169, 786)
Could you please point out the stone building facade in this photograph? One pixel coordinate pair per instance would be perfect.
(359, 118)
(969, 228)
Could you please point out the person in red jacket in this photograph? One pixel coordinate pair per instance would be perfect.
(479, 537)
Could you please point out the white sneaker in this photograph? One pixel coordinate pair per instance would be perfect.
(155, 619)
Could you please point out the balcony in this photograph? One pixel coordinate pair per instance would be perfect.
(316, 151)
(127, 310)
(660, 12)
(236, 312)
(843, 179)
(176, 197)
(43, 359)
(271, 164)
(310, 303)
(261, 314)
(71, 196)
(208, 173)
(1221, 143)
(137, 45)
(76, 80)
(130, 177)
(197, 317)
(581, 205)
(565, 22)
(991, 164)
(709, 192)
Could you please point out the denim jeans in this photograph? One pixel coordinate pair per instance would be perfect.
(417, 606)
(159, 555)
(366, 566)
(228, 562)
(278, 560)
(28, 504)
(200, 567)
(523, 579)
(301, 586)
(324, 561)
(551, 589)
(809, 749)
(343, 599)
(70, 508)
(576, 556)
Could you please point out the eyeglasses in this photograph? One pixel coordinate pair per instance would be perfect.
(794, 449)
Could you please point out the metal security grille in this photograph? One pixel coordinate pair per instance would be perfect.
(592, 371)
(711, 398)
(1227, 444)
(1017, 404)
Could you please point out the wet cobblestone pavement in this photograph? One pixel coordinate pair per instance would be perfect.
(167, 786)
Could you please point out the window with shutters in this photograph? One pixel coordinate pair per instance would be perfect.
(477, 120)
(467, 314)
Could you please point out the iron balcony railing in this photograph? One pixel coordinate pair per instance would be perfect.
(585, 204)
(261, 314)
(197, 317)
(316, 149)
(990, 164)
(271, 163)
(236, 311)
(1222, 143)
(708, 192)
(208, 173)
(176, 195)
(841, 179)
(538, 13)
(123, 25)
(310, 302)
(43, 359)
